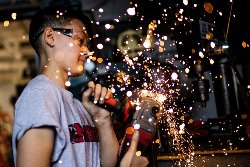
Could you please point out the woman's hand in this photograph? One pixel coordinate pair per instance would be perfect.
(98, 93)
(109, 145)
(130, 159)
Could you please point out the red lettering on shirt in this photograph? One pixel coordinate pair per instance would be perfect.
(84, 133)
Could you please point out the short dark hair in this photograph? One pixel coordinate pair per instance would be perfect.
(54, 17)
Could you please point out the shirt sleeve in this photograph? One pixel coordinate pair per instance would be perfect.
(37, 108)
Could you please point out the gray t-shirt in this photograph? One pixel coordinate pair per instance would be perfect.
(43, 103)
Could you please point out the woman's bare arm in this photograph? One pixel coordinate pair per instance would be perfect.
(35, 148)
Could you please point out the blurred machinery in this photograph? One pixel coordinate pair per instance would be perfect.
(212, 52)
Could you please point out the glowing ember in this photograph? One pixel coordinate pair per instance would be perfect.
(130, 130)
(13, 15)
(212, 44)
(80, 68)
(129, 93)
(208, 7)
(174, 76)
(147, 43)
(131, 11)
(185, 2)
(6, 23)
(137, 126)
(107, 26)
(138, 153)
(99, 46)
(67, 83)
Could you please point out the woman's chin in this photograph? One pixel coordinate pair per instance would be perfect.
(77, 73)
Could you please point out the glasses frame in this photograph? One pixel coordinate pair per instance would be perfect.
(66, 32)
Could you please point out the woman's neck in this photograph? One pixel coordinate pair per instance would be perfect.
(55, 74)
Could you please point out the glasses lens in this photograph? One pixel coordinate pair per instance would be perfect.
(82, 42)
(69, 32)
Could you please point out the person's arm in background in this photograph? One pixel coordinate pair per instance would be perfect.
(130, 159)
(109, 145)
(35, 148)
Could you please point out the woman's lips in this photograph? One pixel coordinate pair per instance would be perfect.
(85, 55)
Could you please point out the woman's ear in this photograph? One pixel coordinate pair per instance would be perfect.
(49, 36)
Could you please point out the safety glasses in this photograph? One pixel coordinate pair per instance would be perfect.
(69, 33)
